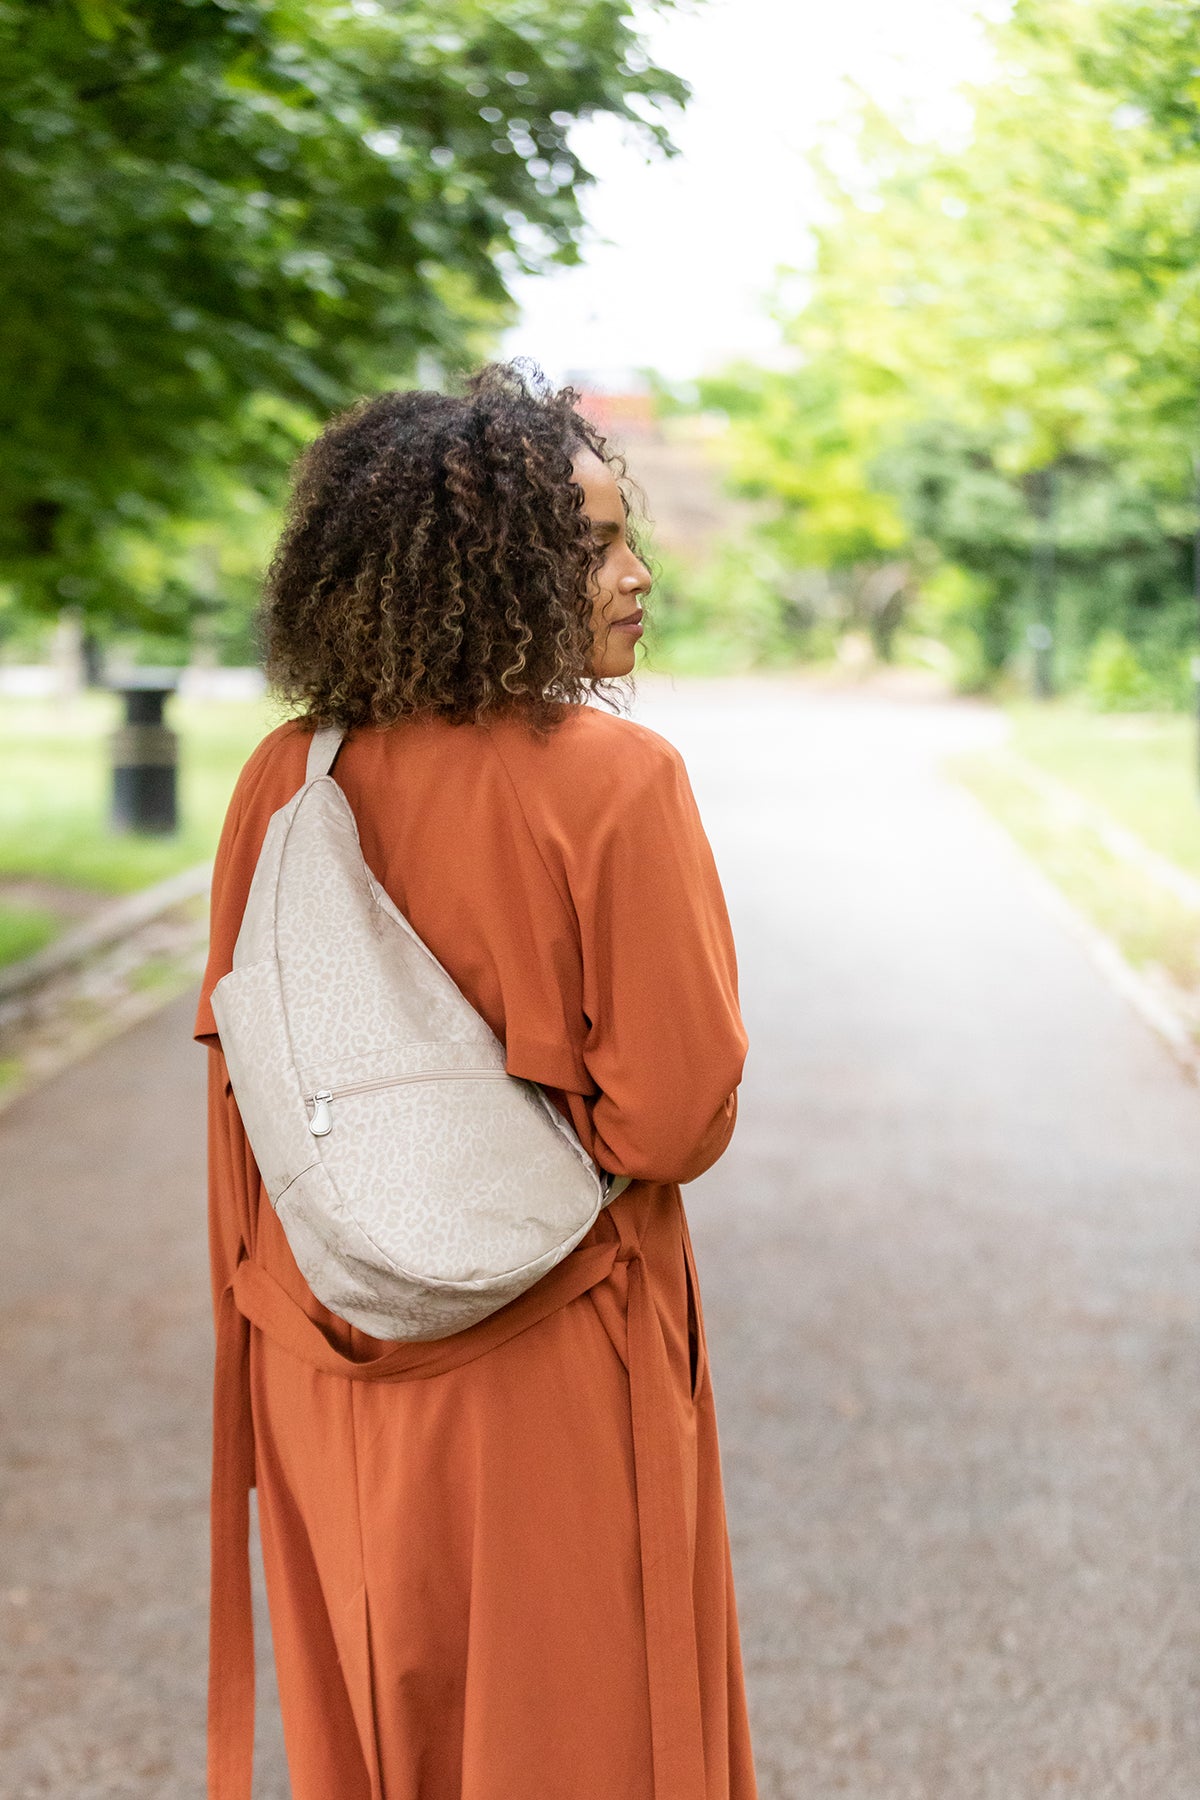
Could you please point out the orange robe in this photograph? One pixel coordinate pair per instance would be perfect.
(497, 1565)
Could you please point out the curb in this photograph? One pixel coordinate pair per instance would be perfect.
(1154, 1010)
(114, 922)
(1106, 956)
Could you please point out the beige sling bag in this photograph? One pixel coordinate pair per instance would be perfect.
(421, 1187)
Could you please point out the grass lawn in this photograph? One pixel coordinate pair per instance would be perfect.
(24, 929)
(1143, 768)
(55, 794)
(1153, 927)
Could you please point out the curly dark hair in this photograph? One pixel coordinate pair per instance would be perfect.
(436, 559)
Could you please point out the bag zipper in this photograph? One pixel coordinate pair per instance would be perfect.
(321, 1122)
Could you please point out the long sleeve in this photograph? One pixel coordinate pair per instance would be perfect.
(241, 840)
(665, 1043)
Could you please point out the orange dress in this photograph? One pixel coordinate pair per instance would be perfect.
(497, 1565)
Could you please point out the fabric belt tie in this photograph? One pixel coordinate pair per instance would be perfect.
(255, 1298)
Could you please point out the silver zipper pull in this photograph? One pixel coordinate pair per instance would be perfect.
(321, 1123)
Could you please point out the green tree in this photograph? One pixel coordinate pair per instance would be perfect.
(223, 218)
(803, 442)
(1002, 341)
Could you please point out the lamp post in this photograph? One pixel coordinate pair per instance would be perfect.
(1040, 635)
(1196, 592)
(144, 754)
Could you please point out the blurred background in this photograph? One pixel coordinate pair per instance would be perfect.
(895, 313)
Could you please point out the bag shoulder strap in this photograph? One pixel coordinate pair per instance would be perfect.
(321, 752)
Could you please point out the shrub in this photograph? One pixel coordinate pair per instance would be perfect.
(1116, 680)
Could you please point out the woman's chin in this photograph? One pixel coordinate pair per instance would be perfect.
(618, 659)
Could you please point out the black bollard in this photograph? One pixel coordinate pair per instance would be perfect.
(144, 755)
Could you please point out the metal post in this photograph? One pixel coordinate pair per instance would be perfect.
(1040, 635)
(1196, 593)
(145, 755)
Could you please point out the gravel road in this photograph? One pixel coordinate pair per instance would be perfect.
(951, 1269)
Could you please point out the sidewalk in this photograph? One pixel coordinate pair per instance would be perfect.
(951, 1268)
(105, 1361)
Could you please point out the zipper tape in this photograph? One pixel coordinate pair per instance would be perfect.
(321, 1122)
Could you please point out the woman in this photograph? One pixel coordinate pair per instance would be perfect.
(504, 1574)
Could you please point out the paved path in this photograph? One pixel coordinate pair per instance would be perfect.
(952, 1278)
(104, 1393)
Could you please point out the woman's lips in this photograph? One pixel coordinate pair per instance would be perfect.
(631, 622)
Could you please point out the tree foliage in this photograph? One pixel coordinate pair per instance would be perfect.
(999, 357)
(223, 218)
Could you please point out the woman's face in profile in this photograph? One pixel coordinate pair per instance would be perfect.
(621, 579)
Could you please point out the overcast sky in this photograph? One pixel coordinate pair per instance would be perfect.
(693, 244)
